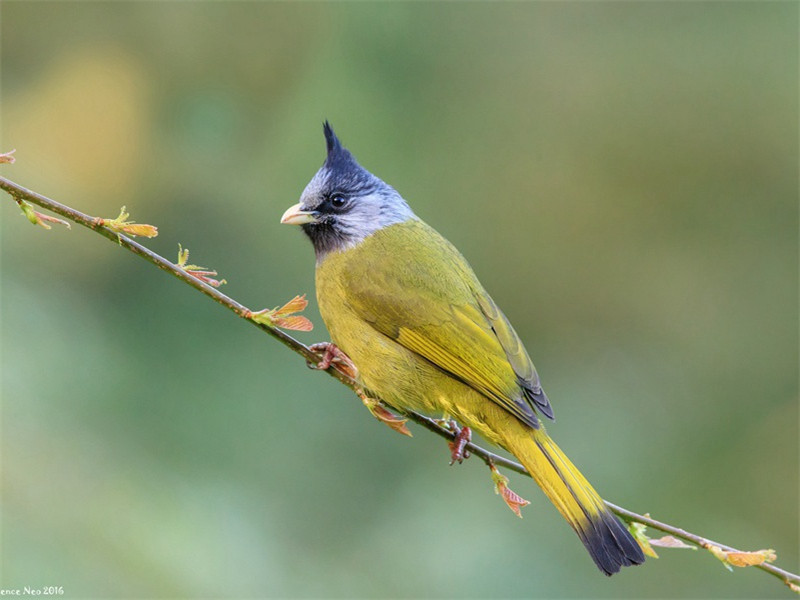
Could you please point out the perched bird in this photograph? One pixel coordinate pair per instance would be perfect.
(403, 304)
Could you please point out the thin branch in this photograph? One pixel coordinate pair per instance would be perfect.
(20, 193)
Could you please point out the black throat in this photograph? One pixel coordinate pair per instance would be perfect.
(326, 237)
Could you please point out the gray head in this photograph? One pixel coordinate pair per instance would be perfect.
(344, 203)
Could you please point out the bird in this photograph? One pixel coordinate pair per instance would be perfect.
(405, 308)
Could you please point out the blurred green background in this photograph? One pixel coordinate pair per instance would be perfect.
(622, 176)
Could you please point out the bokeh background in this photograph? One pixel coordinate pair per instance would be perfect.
(622, 176)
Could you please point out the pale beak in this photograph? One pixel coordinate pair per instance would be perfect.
(295, 215)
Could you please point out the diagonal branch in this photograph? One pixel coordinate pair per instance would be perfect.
(21, 194)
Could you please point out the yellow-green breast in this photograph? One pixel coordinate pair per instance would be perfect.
(408, 310)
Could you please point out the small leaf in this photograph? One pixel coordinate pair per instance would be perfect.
(669, 541)
(734, 558)
(294, 323)
(384, 415)
(720, 554)
(122, 225)
(31, 214)
(201, 273)
(141, 229)
(183, 256)
(792, 586)
(282, 316)
(7, 157)
(295, 305)
(751, 559)
(638, 531)
(37, 218)
(514, 501)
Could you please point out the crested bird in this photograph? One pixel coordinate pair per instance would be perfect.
(404, 306)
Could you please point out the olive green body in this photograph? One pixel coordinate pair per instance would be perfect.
(406, 307)
(408, 274)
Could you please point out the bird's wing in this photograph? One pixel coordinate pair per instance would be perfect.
(427, 299)
(516, 354)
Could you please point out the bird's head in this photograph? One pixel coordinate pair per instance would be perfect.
(344, 203)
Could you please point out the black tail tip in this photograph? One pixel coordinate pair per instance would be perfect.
(610, 544)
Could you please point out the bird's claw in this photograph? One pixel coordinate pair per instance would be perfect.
(332, 355)
(458, 450)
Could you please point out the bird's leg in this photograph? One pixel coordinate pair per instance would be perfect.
(385, 416)
(463, 435)
(332, 355)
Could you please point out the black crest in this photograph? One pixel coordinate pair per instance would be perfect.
(338, 155)
(331, 140)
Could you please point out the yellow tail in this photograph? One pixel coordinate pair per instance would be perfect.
(610, 544)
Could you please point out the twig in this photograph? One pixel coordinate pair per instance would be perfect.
(20, 193)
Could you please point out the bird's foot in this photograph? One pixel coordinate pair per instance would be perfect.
(384, 415)
(458, 450)
(332, 355)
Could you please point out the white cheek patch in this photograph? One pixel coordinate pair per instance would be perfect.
(371, 213)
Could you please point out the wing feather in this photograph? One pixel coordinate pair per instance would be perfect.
(449, 319)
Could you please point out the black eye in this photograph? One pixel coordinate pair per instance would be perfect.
(338, 201)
